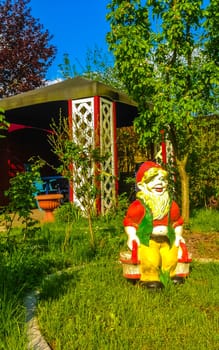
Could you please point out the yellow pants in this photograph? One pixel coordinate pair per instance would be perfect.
(156, 257)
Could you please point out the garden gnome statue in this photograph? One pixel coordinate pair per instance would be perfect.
(153, 221)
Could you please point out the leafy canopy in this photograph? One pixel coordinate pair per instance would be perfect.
(163, 52)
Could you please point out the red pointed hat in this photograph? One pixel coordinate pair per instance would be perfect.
(145, 167)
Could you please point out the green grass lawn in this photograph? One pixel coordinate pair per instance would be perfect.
(94, 307)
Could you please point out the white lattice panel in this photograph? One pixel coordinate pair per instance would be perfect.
(108, 194)
(83, 135)
(83, 121)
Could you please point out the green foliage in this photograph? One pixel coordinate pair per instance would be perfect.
(77, 161)
(163, 53)
(80, 162)
(21, 198)
(67, 69)
(163, 67)
(68, 212)
(98, 66)
(212, 26)
(203, 163)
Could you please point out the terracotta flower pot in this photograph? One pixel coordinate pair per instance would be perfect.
(48, 203)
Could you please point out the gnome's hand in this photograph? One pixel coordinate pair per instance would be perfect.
(131, 233)
(179, 238)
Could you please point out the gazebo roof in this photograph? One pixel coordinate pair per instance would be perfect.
(75, 88)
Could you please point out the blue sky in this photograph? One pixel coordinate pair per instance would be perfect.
(77, 25)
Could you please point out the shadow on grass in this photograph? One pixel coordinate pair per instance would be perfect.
(54, 286)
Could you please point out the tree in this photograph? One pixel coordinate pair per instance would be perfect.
(98, 66)
(80, 162)
(25, 52)
(163, 53)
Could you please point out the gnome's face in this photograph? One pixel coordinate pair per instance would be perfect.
(156, 185)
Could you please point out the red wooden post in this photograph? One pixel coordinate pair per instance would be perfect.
(97, 144)
(71, 194)
(163, 147)
(115, 150)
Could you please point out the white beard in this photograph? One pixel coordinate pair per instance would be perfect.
(159, 205)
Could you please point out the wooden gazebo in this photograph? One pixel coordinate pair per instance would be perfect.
(88, 104)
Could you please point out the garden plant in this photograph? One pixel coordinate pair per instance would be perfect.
(80, 162)
(21, 198)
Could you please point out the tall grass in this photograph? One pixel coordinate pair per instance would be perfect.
(12, 316)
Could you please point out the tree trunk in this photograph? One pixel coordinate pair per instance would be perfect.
(184, 177)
